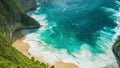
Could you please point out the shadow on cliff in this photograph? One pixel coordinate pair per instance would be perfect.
(13, 18)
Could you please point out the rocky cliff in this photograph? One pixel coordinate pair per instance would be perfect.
(116, 50)
(28, 5)
(13, 18)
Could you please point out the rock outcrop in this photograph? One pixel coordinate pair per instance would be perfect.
(28, 5)
(116, 50)
(13, 18)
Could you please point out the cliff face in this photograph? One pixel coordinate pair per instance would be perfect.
(116, 50)
(12, 18)
(28, 5)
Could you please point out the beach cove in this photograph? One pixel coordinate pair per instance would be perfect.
(89, 41)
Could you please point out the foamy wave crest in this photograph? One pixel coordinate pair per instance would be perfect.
(84, 58)
(117, 29)
(40, 18)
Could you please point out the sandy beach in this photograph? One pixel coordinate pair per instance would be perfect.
(24, 48)
(64, 65)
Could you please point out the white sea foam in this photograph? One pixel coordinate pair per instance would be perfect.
(117, 29)
(84, 58)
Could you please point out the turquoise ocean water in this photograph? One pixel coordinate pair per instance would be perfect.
(78, 26)
(72, 23)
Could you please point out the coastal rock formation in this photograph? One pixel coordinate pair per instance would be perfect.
(116, 50)
(13, 18)
(28, 5)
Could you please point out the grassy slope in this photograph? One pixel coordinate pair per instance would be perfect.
(9, 56)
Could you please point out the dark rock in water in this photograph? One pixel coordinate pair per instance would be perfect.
(116, 50)
(28, 5)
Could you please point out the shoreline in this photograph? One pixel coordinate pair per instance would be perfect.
(24, 48)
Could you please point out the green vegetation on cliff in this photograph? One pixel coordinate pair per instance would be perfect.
(11, 58)
(13, 18)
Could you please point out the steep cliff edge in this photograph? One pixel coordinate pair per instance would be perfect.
(116, 50)
(12, 18)
(28, 5)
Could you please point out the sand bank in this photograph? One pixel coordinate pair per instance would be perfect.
(24, 48)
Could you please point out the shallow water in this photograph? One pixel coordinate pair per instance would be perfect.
(77, 31)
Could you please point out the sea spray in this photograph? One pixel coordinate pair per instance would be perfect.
(57, 36)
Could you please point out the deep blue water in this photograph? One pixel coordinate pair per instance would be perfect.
(73, 23)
